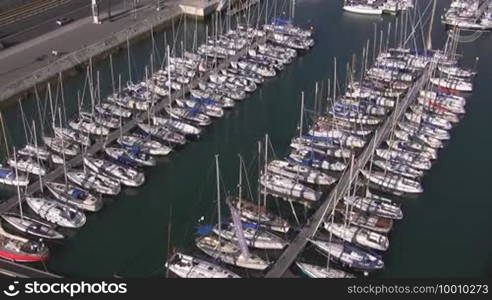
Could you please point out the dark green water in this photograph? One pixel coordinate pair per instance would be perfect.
(445, 232)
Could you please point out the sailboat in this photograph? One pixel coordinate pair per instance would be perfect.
(56, 212)
(27, 164)
(134, 155)
(360, 236)
(144, 143)
(374, 206)
(20, 249)
(349, 255)
(75, 196)
(186, 266)
(10, 176)
(365, 220)
(72, 135)
(256, 213)
(300, 172)
(315, 271)
(30, 225)
(225, 250)
(96, 182)
(125, 175)
(61, 145)
(394, 182)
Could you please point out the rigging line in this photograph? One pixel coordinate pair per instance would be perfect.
(45, 108)
(201, 193)
(274, 155)
(27, 128)
(37, 99)
(55, 108)
(175, 34)
(413, 22)
(417, 11)
(250, 193)
(164, 56)
(418, 23)
(82, 97)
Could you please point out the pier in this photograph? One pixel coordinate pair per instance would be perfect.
(12, 269)
(310, 228)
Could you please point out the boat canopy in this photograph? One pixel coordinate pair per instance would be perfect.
(5, 172)
(77, 194)
(204, 230)
(282, 21)
(205, 100)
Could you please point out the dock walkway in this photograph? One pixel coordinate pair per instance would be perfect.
(345, 181)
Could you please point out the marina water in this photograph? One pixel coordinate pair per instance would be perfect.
(445, 232)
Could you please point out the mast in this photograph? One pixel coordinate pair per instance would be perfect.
(259, 174)
(63, 156)
(335, 79)
(302, 114)
(266, 12)
(129, 63)
(112, 72)
(429, 35)
(169, 79)
(5, 136)
(37, 156)
(63, 103)
(23, 118)
(240, 185)
(18, 188)
(218, 194)
(266, 163)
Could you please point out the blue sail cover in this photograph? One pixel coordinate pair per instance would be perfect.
(125, 160)
(77, 194)
(282, 21)
(209, 101)
(204, 230)
(428, 53)
(134, 150)
(4, 173)
(194, 111)
(254, 226)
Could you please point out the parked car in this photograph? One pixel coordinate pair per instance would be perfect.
(62, 21)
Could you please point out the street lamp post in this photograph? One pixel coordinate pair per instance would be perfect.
(95, 12)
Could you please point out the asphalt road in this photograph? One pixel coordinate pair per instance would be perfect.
(15, 33)
(31, 54)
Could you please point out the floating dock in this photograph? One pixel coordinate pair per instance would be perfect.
(310, 228)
